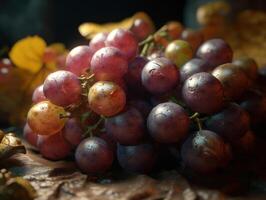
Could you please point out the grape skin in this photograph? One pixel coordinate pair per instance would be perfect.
(194, 38)
(54, 147)
(164, 116)
(141, 29)
(203, 93)
(38, 95)
(94, 155)
(44, 118)
(108, 64)
(123, 40)
(139, 158)
(231, 123)
(127, 128)
(72, 132)
(205, 152)
(159, 75)
(216, 52)
(29, 135)
(62, 88)
(78, 60)
(106, 98)
(98, 41)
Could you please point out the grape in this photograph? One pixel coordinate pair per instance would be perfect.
(29, 135)
(248, 66)
(174, 29)
(231, 123)
(205, 152)
(156, 54)
(72, 132)
(44, 118)
(179, 51)
(108, 63)
(261, 81)
(215, 51)
(246, 144)
(54, 147)
(194, 66)
(234, 81)
(141, 29)
(159, 75)
(98, 41)
(203, 93)
(127, 128)
(139, 158)
(78, 60)
(133, 76)
(109, 140)
(142, 106)
(168, 123)
(38, 95)
(255, 104)
(106, 98)
(94, 155)
(123, 40)
(62, 88)
(194, 38)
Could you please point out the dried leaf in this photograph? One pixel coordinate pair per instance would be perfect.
(89, 29)
(27, 53)
(10, 145)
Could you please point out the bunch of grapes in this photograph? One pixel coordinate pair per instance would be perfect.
(124, 99)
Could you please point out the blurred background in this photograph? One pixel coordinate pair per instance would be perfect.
(58, 20)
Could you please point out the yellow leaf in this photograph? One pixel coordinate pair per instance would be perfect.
(89, 29)
(27, 53)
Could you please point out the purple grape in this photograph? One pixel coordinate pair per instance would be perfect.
(94, 155)
(98, 41)
(123, 40)
(54, 147)
(203, 93)
(108, 64)
(140, 158)
(248, 66)
(231, 123)
(160, 76)
(133, 76)
(127, 128)
(72, 132)
(255, 104)
(62, 88)
(78, 60)
(142, 106)
(168, 123)
(216, 52)
(194, 66)
(38, 95)
(205, 152)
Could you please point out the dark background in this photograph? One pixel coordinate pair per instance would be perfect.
(58, 20)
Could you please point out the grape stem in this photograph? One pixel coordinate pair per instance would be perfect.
(90, 129)
(198, 123)
(194, 116)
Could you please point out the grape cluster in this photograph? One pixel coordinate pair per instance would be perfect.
(130, 95)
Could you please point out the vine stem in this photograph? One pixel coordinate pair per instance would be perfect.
(198, 123)
(194, 116)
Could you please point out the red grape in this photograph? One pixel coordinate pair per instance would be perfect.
(141, 29)
(94, 155)
(126, 128)
(29, 135)
(72, 132)
(216, 52)
(44, 118)
(106, 98)
(62, 88)
(205, 152)
(54, 147)
(123, 40)
(78, 60)
(108, 63)
(160, 75)
(194, 38)
(38, 95)
(203, 93)
(168, 123)
(231, 123)
(98, 41)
